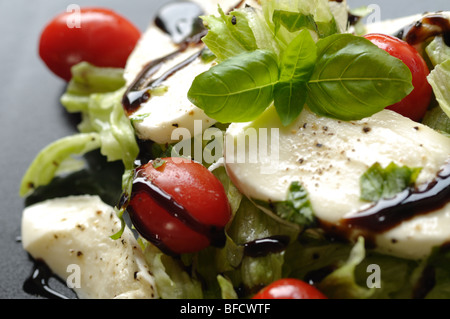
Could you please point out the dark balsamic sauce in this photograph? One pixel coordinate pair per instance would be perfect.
(38, 282)
(265, 246)
(137, 93)
(181, 20)
(429, 26)
(389, 213)
(142, 184)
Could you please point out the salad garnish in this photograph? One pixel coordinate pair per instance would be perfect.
(297, 62)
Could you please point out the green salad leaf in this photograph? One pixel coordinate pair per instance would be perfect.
(378, 182)
(293, 21)
(439, 80)
(229, 35)
(341, 283)
(96, 94)
(437, 51)
(171, 280)
(49, 160)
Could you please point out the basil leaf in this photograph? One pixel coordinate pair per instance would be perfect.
(238, 89)
(296, 67)
(228, 35)
(380, 183)
(354, 79)
(296, 208)
(299, 58)
(293, 21)
(289, 100)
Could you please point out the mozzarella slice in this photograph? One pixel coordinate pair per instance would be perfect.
(72, 236)
(163, 113)
(328, 157)
(393, 26)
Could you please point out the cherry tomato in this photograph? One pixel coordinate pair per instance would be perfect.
(416, 103)
(95, 35)
(179, 205)
(289, 288)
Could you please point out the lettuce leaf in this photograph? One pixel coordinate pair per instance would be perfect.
(96, 93)
(439, 80)
(172, 281)
(341, 283)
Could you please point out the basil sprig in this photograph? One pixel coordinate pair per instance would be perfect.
(341, 76)
(385, 182)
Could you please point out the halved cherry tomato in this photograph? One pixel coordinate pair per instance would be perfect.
(95, 35)
(416, 103)
(179, 205)
(289, 288)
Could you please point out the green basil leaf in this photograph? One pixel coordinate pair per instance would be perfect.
(228, 35)
(354, 79)
(296, 208)
(299, 58)
(237, 90)
(296, 66)
(380, 183)
(289, 100)
(293, 21)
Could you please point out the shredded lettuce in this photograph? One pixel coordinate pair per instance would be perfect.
(439, 55)
(341, 283)
(47, 163)
(96, 93)
(172, 281)
(439, 80)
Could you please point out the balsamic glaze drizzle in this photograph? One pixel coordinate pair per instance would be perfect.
(38, 282)
(430, 25)
(181, 21)
(388, 213)
(265, 246)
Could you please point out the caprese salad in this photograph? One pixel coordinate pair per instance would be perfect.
(266, 149)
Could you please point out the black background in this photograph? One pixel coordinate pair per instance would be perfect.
(31, 116)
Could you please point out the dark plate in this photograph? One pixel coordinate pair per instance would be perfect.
(32, 117)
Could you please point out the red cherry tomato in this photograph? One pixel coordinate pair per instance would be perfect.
(179, 205)
(289, 288)
(95, 35)
(416, 103)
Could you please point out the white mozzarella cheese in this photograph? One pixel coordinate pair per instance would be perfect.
(329, 156)
(163, 113)
(72, 234)
(393, 26)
